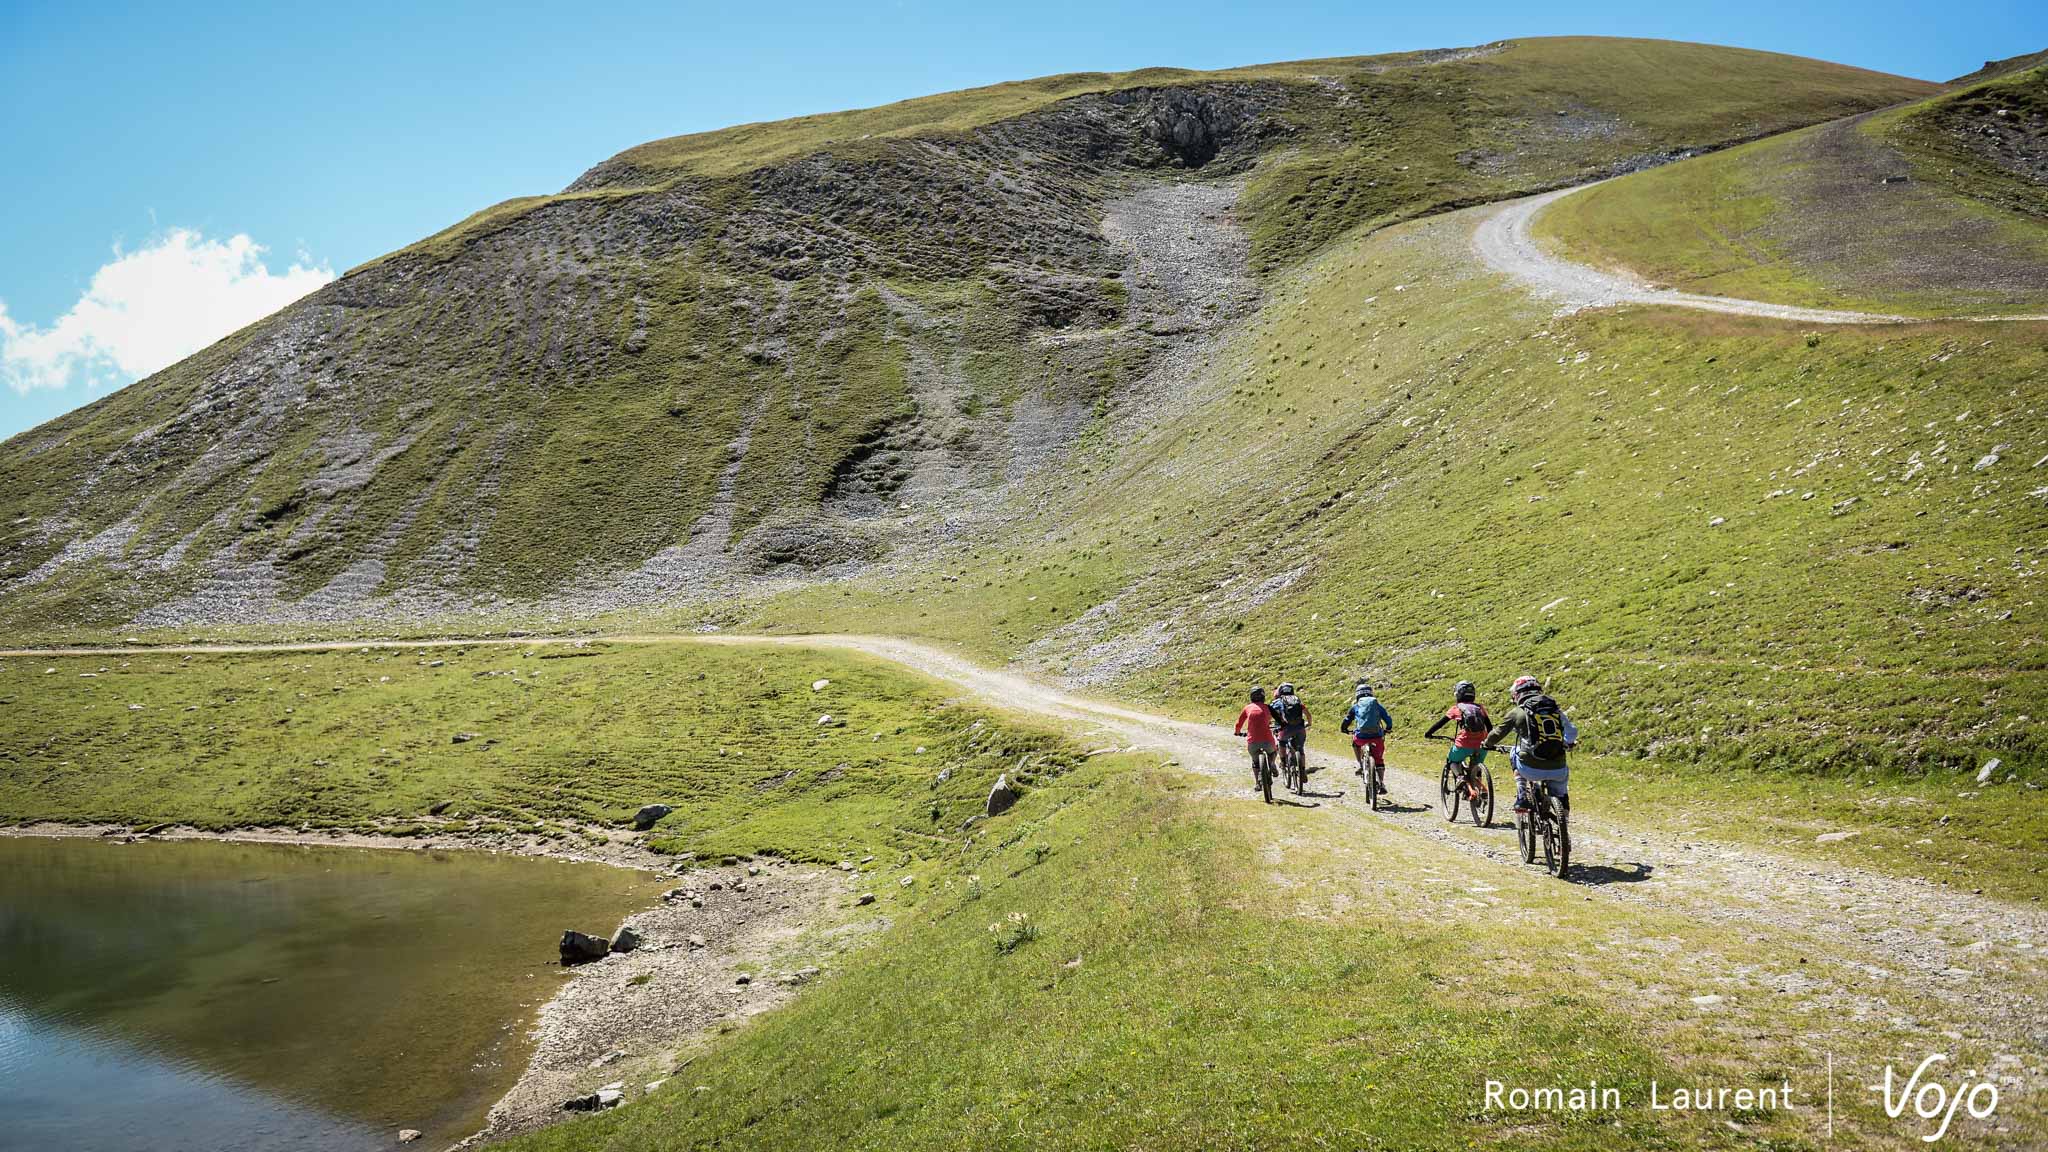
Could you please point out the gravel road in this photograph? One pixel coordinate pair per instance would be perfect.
(1504, 244)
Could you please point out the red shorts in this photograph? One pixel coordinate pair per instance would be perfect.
(1377, 745)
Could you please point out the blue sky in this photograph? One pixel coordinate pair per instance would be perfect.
(182, 168)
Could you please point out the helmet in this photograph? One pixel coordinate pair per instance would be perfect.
(1364, 689)
(1467, 692)
(1258, 695)
(1287, 689)
(1524, 686)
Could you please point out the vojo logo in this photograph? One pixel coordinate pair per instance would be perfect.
(1934, 1101)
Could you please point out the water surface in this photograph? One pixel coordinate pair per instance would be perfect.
(242, 996)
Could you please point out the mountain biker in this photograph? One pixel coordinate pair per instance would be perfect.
(1543, 736)
(1368, 722)
(1255, 724)
(1473, 721)
(1291, 719)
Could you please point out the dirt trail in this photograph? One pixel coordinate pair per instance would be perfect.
(1979, 964)
(1504, 243)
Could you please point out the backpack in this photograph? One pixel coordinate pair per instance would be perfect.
(1473, 719)
(1541, 729)
(1287, 711)
(1367, 712)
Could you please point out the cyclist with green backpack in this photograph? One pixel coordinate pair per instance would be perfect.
(1543, 736)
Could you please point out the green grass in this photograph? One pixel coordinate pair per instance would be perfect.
(1449, 484)
(1754, 222)
(1200, 973)
(364, 739)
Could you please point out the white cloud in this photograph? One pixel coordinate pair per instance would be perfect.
(149, 309)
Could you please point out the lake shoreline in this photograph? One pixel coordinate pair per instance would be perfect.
(626, 1018)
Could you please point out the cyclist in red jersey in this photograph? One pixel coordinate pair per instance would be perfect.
(1255, 724)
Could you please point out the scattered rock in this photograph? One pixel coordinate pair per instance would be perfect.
(650, 815)
(753, 869)
(408, 1135)
(627, 940)
(611, 1057)
(743, 979)
(462, 737)
(820, 685)
(1984, 773)
(605, 1097)
(1001, 797)
(578, 948)
(1717, 521)
(1706, 1001)
(696, 941)
(1835, 837)
(864, 898)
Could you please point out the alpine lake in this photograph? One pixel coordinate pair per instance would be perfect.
(225, 996)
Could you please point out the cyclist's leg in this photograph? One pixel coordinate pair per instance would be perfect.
(1521, 784)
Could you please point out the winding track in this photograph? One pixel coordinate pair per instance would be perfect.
(1985, 962)
(1503, 243)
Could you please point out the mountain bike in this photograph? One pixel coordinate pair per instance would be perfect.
(1262, 772)
(1469, 783)
(1547, 825)
(1375, 779)
(1294, 763)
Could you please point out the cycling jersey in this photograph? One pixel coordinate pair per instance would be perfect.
(1255, 723)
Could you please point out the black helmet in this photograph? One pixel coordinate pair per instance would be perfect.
(1467, 692)
(1287, 689)
(1258, 695)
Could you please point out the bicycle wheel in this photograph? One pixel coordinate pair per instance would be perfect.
(1482, 804)
(1549, 837)
(1372, 787)
(1266, 775)
(1447, 791)
(1525, 837)
(1564, 844)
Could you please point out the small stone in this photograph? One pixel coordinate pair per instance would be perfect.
(907, 881)
(408, 1135)
(696, 941)
(653, 1084)
(1706, 1001)
(743, 979)
(824, 720)
(864, 898)
(627, 940)
(1717, 521)
(753, 869)
(1984, 773)
(820, 685)
(462, 737)
(1001, 797)
(649, 815)
(611, 1057)
(1835, 837)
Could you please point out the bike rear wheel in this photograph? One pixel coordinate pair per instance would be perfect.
(1447, 790)
(1562, 823)
(1482, 803)
(1372, 786)
(1266, 775)
(1525, 837)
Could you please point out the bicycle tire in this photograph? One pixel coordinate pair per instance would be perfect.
(1448, 789)
(1525, 837)
(1483, 819)
(1266, 776)
(1549, 837)
(1564, 845)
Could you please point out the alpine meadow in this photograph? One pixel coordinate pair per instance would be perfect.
(839, 547)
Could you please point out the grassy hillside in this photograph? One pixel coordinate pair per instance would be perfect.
(1931, 209)
(1784, 572)
(785, 351)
